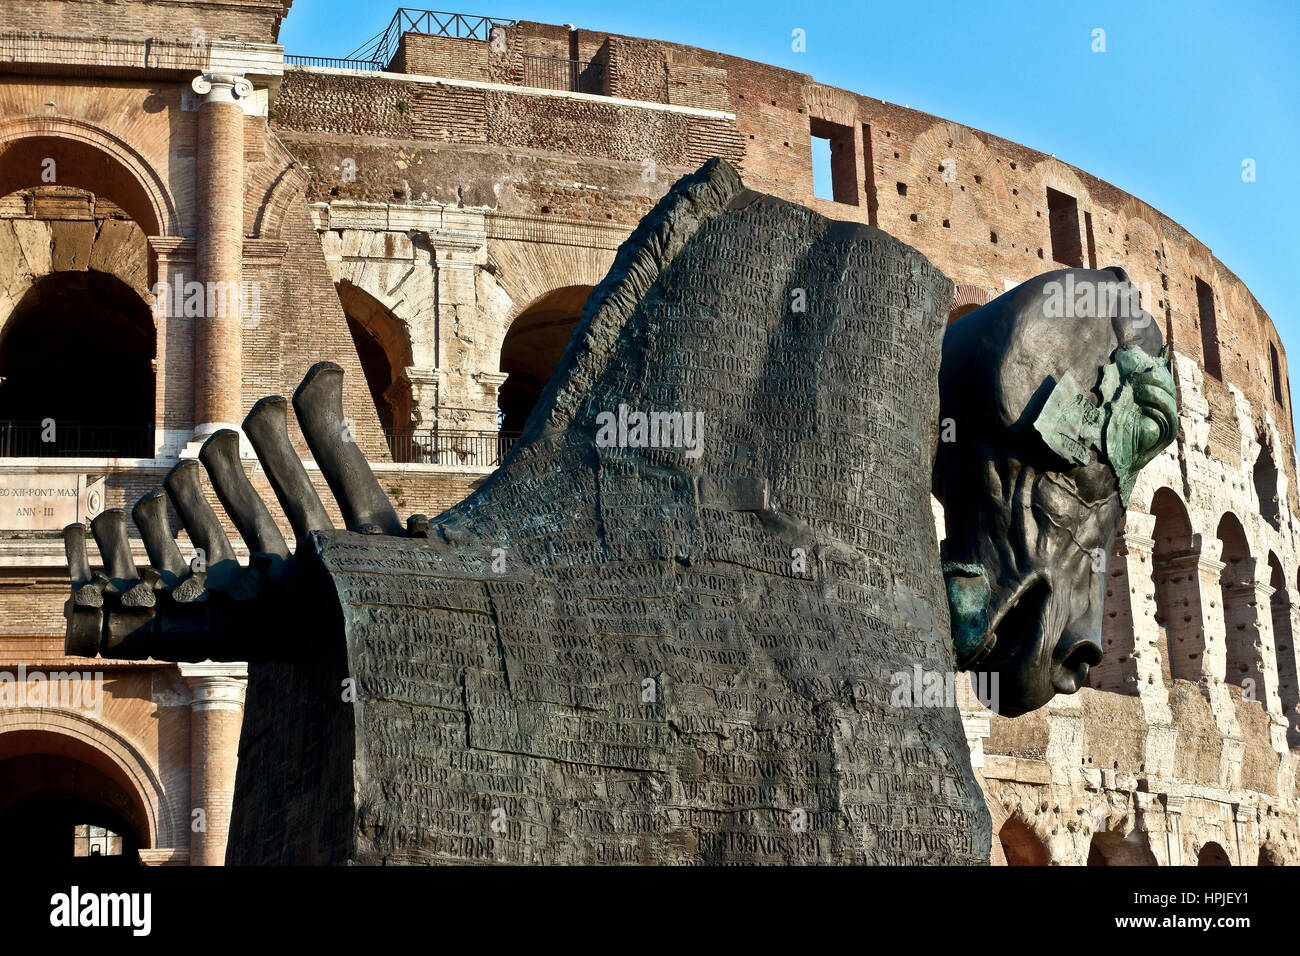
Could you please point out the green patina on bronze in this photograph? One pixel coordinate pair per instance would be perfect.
(1136, 418)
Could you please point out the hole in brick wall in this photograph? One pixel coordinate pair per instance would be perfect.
(1015, 192)
(993, 238)
(334, 191)
(1013, 165)
(979, 180)
(1040, 253)
(1209, 329)
(946, 224)
(835, 161)
(912, 217)
(1063, 220)
(895, 156)
(902, 189)
(546, 209)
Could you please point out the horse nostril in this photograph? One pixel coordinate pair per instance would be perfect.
(1086, 653)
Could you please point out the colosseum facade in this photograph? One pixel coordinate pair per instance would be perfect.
(432, 218)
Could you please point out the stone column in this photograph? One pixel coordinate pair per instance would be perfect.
(219, 199)
(171, 269)
(216, 714)
(1173, 827)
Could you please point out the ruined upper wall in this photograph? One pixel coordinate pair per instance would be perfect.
(248, 21)
(976, 204)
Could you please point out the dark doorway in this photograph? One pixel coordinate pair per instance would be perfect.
(50, 798)
(534, 344)
(77, 354)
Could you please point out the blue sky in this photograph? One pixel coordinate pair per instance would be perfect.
(1183, 93)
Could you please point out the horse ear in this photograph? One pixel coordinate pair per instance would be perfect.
(1118, 272)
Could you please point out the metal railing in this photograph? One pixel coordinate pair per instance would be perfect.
(461, 26)
(441, 446)
(75, 440)
(554, 73)
(338, 63)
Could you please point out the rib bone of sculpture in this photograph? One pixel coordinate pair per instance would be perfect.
(623, 628)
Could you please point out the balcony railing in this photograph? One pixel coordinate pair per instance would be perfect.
(337, 63)
(434, 446)
(75, 440)
(554, 73)
(461, 26)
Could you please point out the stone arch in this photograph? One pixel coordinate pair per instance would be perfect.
(946, 140)
(1244, 663)
(1021, 845)
(1288, 680)
(531, 349)
(1175, 574)
(158, 819)
(89, 158)
(1109, 848)
(287, 186)
(383, 344)
(1212, 854)
(968, 299)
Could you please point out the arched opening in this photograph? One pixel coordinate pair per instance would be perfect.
(531, 350)
(76, 370)
(1245, 665)
(60, 799)
(1266, 487)
(962, 310)
(1212, 855)
(1117, 671)
(1288, 681)
(1177, 585)
(383, 345)
(1020, 845)
(1111, 849)
(75, 160)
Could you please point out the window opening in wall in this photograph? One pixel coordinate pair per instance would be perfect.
(1277, 373)
(835, 162)
(1063, 223)
(1209, 329)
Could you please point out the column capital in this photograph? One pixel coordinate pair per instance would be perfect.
(215, 686)
(221, 87)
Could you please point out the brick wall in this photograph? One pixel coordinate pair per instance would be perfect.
(251, 21)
